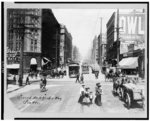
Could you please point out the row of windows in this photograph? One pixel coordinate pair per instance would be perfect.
(18, 12)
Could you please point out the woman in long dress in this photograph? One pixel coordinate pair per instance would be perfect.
(86, 99)
(98, 95)
(82, 94)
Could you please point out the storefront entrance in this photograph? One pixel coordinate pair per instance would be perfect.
(33, 65)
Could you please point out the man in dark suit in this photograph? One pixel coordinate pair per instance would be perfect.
(78, 76)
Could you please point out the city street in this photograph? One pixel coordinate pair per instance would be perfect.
(62, 96)
(49, 49)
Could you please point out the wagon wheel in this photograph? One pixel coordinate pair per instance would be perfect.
(143, 104)
(128, 100)
(121, 93)
(143, 100)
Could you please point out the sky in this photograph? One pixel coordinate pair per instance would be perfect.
(83, 24)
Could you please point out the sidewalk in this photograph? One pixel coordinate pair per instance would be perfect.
(14, 87)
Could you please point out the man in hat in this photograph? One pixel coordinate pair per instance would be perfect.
(27, 80)
(78, 76)
(82, 78)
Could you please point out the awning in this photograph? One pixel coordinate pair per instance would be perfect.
(13, 66)
(33, 61)
(73, 65)
(131, 62)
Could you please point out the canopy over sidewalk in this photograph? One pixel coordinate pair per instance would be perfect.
(13, 66)
(131, 62)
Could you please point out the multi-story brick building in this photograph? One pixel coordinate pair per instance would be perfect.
(65, 46)
(131, 32)
(24, 27)
(95, 53)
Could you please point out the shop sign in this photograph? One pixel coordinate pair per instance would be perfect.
(132, 30)
(13, 56)
(132, 23)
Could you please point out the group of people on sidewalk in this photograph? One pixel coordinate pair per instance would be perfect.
(43, 81)
(87, 97)
(31, 74)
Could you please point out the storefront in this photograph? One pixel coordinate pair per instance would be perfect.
(13, 69)
(33, 65)
(133, 59)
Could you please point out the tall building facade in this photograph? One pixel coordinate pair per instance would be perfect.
(24, 27)
(131, 33)
(111, 38)
(50, 38)
(102, 49)
(65, 46)
(76, 54)
(95, 52)
(131, 26)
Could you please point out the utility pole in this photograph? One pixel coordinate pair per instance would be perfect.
(22, 48)
(118, 41)
(56, 49)
(100, 42)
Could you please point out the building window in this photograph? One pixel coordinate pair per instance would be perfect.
(31, 45)
(35, 45)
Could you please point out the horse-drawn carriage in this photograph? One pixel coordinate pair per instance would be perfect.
(110, 73)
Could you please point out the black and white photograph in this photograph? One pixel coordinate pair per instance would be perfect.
(75, 60)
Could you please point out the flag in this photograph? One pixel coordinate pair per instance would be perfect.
(45, 61)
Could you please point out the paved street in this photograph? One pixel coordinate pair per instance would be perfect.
(62, 96)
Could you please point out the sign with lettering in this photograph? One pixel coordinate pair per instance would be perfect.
(13, 56)
(132, 31)
(132, 23)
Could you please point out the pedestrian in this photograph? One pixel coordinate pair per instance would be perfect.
(82, 78)
(91, 97)
(41, 84)
(44, 82)
(86, 99)
(82, 94)
(98, 94)
(36, 73)
(78, 76)
(97, 74)
(20, 81)
(14, 78)
(27, 80)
